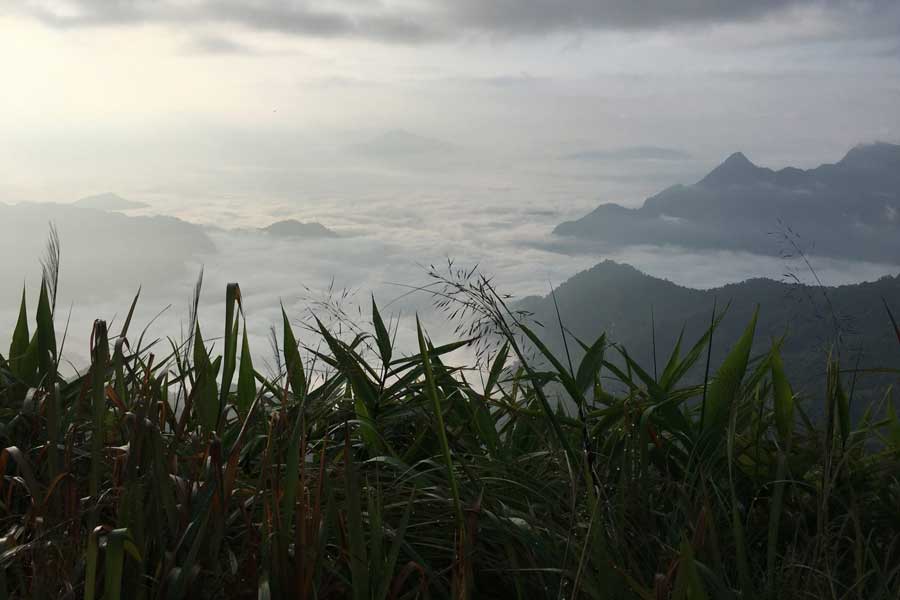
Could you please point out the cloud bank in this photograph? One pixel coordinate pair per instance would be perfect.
(420, 21)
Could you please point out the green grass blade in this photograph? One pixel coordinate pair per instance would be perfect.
(46, 337)
(292, 360)
(246, 387)
(359, 562)
(206, 401)
(91, 559)
(497, 366)
(127, 324)
(727, 382)
(843, 406)
(229, 362)
(116, 543)
(291, 478)
(589, 368)
(99, 365)
(672, 364)
(382, 337)
(740, 544)
(783, 399)
(565, 377)
(432, 394)
(18, 347)
(893, 426)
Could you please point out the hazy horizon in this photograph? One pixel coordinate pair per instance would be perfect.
(136, 96)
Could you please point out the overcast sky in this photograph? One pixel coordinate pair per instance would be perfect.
(94, 88)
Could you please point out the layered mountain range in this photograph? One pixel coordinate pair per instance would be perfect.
(849, 209)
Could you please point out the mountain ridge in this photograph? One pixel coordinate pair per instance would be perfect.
(848, 209)
(108, 201)
(299, 229)
(617, 299)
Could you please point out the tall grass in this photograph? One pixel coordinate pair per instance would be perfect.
(170, 471)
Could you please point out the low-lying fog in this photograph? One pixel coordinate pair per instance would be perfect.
(392, 219)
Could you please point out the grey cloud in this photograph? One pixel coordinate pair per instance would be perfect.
(305, 21)
(539, 16)
(300, 19)
(442, 19)
(214, 44)
(93, 13)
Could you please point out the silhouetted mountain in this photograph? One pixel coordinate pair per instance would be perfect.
(875, 156)
(108, 201)
(736, 170)
(618, 299)
(850, 209)
(295, 228)
(148, 250)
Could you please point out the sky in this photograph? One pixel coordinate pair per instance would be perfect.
(787, 81)
(230, 114)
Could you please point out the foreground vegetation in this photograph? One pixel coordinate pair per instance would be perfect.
(175, 470)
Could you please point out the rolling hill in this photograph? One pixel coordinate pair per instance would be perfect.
(618, 299)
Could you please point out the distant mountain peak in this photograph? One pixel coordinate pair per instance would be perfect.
(108, 201)
(739, 159)
(298, 229)
(737, 169)
(848, 209)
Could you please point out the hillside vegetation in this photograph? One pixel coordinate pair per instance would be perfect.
(639, 312)
(176, 469)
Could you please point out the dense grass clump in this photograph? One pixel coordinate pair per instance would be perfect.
(168, 470)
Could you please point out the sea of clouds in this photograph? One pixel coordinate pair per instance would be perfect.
(393, 220)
